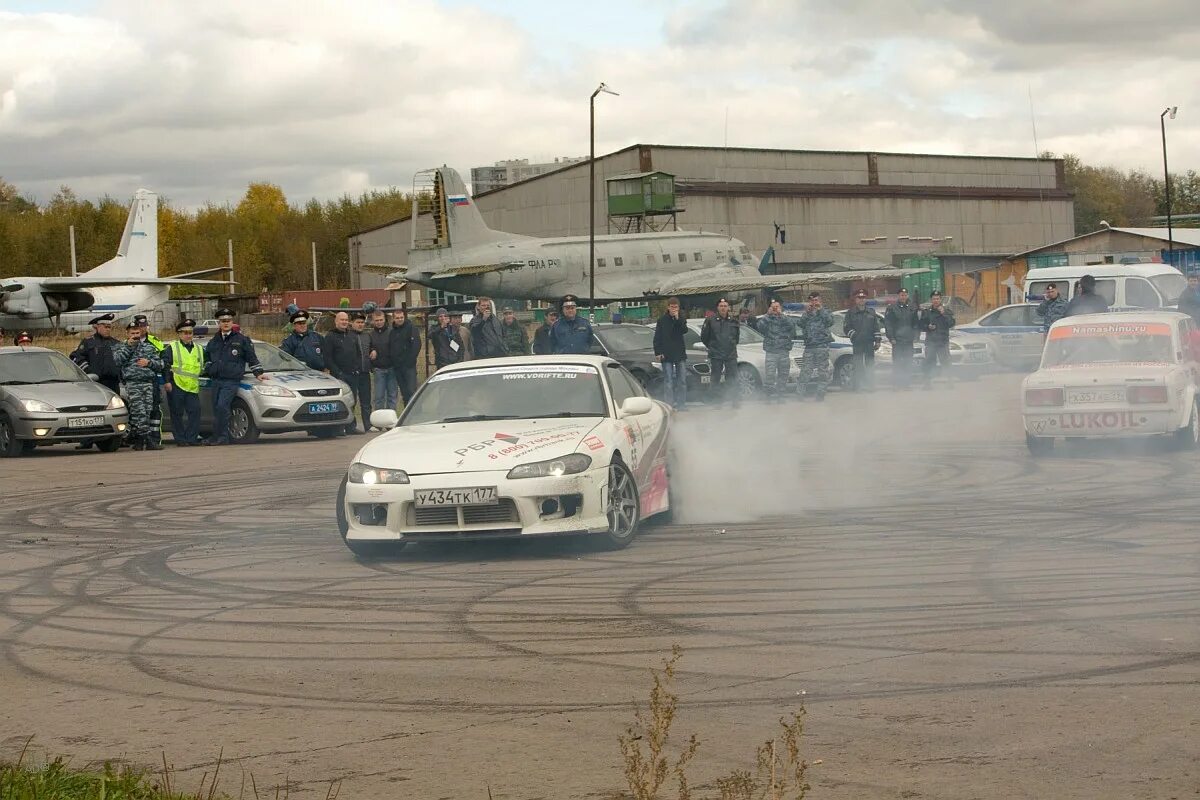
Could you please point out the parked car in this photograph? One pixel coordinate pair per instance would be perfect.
(295, 398)
(633, 346)
(1015, 333)
(752, 360)
(1115, 376)
(206, 328)
(46, 399)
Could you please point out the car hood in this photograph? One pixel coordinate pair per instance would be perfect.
(63, 395)
(304, 380)
(476, 446)
(1109, 374)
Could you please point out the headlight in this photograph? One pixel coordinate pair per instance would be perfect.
(362, 473)
(273, 390)
(116, 402)
(38, 405)
(567, 465)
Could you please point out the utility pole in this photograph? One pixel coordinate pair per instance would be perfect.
(231, 281)
(592, 199)
(74, 263)
(314, 252)
(1162, 122)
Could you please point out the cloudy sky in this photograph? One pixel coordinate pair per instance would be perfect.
(196, 99)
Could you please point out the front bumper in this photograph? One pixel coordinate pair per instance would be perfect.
(282, 414)
(383, 513)
(54, 427)
(1106, 423)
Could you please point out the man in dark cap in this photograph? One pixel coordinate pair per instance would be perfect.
(865, 334)
(541, 337)
(140, 364)
(1086, 301)
(815, 328)
(516, 340)
(304, 343)
(94, 354)
(22, 338)
(1052, 308)
(447, 341)
(227, 357)
(572, 333)
(902, 323)
(721, 334)
(183, 363)
(143, 322)
(936, 321)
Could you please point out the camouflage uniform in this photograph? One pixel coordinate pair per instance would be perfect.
(516, 341)
(778, 334)
(140, 384)
(814, 365)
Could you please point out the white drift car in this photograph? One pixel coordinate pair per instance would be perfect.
(1115, 376)
(511, 447)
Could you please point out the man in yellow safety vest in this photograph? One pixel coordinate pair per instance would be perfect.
(183, 362)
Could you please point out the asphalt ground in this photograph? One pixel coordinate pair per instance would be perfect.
(960, 620)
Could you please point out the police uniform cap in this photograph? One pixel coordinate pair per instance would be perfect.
(132, 324)
(936, 294)
(570, 300)
(224, 312)
(187, 324)
(903, 290)
(299, 316)
(860, 293)
(141, 321)
(354, 315)
(23, 338)
(441, 312)
(508, 310)
(813, 295)
(1051, 285)
(103, 319)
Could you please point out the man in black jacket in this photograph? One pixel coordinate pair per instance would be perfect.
(384, 392)
(404, 344)
(542, 346)
(447, 341)
(902, 323)
(671, 352)
(721, 334)
(865, 333)
(936, 321)
(1086, 301)
(487, 337)
(347, 357)
(95, 353)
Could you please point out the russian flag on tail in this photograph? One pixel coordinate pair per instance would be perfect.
(458, 199)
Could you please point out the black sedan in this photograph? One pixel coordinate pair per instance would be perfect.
(633, 346)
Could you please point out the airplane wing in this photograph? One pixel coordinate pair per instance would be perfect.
(713, 284)
(384, 269)
(83, 282)
(476, 269)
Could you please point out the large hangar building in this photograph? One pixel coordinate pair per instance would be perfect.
(815, 207)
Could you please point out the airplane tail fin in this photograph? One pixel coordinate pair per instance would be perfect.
(446, 213)
(137, 255)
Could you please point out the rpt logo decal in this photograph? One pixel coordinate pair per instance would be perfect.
(508, 438)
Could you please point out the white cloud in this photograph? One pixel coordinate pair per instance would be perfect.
(197, 99)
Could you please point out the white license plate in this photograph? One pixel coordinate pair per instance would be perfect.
(1085, 396)
(322, 408)
(975, 356)
(473, 496)
(705, 379)
(84, 422)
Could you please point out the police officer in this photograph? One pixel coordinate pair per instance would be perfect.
(143, 322)
(936, 321)
(865, 334)
(183, 363)
(721, 334)
(816, 325)
(516, 340)
(94, 354)
(572, 334)
(902, 323)
(779, 336)
(1052, 308)
(140, 365)
(227, 356)
(303, 343)
(22, 338)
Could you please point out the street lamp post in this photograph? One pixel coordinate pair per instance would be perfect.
(1162, 122)
(592, 199)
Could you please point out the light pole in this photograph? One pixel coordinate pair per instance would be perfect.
(592, 199)
(1162, 122)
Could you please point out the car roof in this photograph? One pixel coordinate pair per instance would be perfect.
(26, 349)
(1142, 270)
(1122, 317)
(516, 361)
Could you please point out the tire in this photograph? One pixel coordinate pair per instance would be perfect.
(1039, 445)
(10, 445)
(362, 550)
(242, 428)
(624, 507)
(843, 372)
(749, 383)
(110, 445)
(1188, 437)
(324, 433)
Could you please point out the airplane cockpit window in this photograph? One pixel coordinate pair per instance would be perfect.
(618, 261)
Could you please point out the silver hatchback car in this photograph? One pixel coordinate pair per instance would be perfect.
(295, 398)
(45, 399)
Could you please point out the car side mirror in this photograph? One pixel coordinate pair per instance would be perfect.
(384, 418)
(635, 406)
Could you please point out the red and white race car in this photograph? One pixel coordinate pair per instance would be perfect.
(1115, 375)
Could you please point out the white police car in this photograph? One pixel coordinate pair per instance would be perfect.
(1014, 331)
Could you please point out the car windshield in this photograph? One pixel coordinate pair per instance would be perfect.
(38, 367)
(1170, 286)
(275, 360)
(513, 392)
(626, 337)
(1109, 343)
